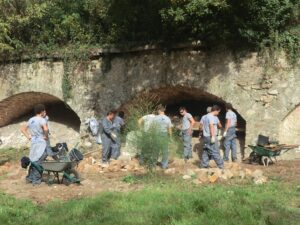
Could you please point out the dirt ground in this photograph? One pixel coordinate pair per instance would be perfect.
(95, 180)
(13, 182)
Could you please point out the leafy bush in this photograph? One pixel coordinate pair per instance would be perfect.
(30, 25)
(148, 144)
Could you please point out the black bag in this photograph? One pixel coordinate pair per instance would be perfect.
(25, 162)
(262, 140)
(75, 155)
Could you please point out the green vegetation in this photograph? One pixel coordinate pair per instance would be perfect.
(44, 27)
(9, 154)
(166, 202)
(149, 144)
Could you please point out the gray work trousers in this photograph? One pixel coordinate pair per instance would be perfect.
(107, 145)
(34, 175)
(116, 147)
(230, 143)
(211, 151)
(187, 144)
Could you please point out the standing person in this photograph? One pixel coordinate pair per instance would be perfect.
(164, 126)
(146, 121)
(200, 150)
(211, 145)
(48, 147)
(187, 132)
(118, 123)
(208, 110)
(36, 130)
(108, 137)
(230, 134)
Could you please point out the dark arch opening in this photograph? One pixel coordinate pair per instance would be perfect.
(196, 101)
(19, 108)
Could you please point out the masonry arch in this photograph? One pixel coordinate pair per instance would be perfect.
(196, 101)
(289, 129)
(20, 106)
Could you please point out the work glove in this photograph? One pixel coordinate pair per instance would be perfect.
(113, 135)
(220, 137)
(224, 134)
(213, 140)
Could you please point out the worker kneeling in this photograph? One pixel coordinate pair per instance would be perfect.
(211, 144)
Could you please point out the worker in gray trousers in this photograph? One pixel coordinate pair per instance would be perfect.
(36, 130)
(211, 144)
(230, 134)
(118, 123)
(187, 133)
(108, 137)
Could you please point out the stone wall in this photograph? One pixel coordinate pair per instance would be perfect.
(262, 95)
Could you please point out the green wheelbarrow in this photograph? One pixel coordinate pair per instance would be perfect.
(67, 168)
(261, 154)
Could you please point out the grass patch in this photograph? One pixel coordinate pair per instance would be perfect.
(169, 202)
(12, 154)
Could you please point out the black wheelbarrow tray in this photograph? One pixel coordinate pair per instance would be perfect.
(56, 167)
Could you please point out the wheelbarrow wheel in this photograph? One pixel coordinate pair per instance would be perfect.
(254, 158)
(71, 176)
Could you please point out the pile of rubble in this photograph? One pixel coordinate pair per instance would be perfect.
(91, 165)
(213, 175)
(178, 167)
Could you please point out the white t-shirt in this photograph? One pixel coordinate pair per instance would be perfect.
(232, 116)
(148, 120)
(163, 123)
(186, 121)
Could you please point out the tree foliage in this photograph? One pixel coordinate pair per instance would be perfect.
(41, 25)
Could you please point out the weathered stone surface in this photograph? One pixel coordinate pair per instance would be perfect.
(260, 180)
(197, 182)
(228, 174)
(272, 92)
(186, 177)
(213, 178)
(173, 75)
(170, 171)
(257, 173)
(190, 172)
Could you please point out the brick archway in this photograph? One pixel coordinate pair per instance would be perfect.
(22, 104)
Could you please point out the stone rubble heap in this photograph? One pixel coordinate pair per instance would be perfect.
(177, 167)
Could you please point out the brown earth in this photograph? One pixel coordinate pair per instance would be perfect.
(96, 179)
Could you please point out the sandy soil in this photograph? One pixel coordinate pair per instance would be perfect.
(95, 180)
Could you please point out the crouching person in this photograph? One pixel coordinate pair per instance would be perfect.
(36, 130)
(108, 137)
